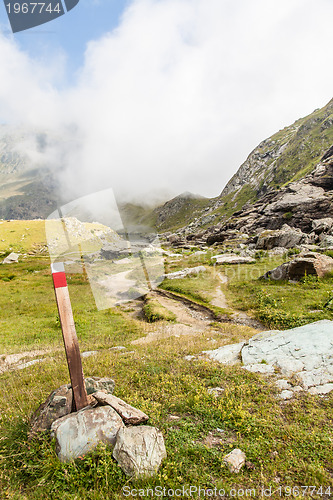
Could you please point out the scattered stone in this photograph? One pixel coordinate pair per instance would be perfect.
(231, 258)
(198, 253)
(30, 363)
(289, 366)
(128, 413)
(216, 391)
(94, 384)
(189, 271)
(321, 389)
(282, 384)
(58, 404)
(118, 348)
(79, 433)
(277, 251)
(139, 450)
(326, 241)
(286, 394)
(126, 260)
(189, 358)
(235, 460)
(173, 417)
(87, 354)
(297, 388)
(11, 258)
(320, 376)
(322, 225)
(228, 354)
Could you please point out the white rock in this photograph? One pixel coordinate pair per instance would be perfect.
(231, 258)
(79, 433)
(30, 363)
(228, 354)
(282, 384)
(87, 354)
(286, 394)
(321, 389)
(185, 272)
(11, 258)
(128, 413)
(216, 391)
(316, 377)
(235, 460)
(288, 366)
(297, 388)
(260, 368)
(139, 450)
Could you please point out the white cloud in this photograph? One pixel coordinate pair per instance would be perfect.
(180, 93)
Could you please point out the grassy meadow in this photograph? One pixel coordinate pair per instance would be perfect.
(287, 443)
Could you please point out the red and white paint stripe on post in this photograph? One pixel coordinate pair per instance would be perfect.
(69, 335)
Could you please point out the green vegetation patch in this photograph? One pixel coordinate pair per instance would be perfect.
(278, 304)
(285, 443)
(154, 311)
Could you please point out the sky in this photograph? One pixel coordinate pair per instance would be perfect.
(156, 97)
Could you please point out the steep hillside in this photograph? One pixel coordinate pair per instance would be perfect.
(27, 191)
(181, 209)
(286, 157)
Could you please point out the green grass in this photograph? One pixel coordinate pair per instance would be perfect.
(279, 304)
(287, 443)
(154, 311)
(21, 235)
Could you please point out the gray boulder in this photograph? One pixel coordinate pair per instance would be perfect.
(304, 353)
(322, 225)
(235, 460)
(94, 384)
(139, 450)
(286, 237)
(57, 405)
(128, 413)
(304, 264)
(227, 354)
(326, 241)
(60, 403)
(231, 258)
(11, 258)
(79, 433)
(188, 271)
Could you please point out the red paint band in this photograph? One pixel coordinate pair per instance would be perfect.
(59, 280)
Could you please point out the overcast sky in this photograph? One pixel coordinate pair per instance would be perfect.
(151, 95)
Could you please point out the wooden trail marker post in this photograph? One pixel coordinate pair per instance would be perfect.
(69, 335)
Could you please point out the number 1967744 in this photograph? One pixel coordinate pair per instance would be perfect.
(32, 8)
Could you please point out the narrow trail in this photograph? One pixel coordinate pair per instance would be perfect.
(192, 319)
(219, 299)
(189, 321)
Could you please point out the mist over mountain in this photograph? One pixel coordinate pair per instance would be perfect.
(30, 189)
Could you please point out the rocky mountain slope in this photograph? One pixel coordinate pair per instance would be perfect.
(287, 156)
(287, 178)
(26, 190)
(299, 204)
